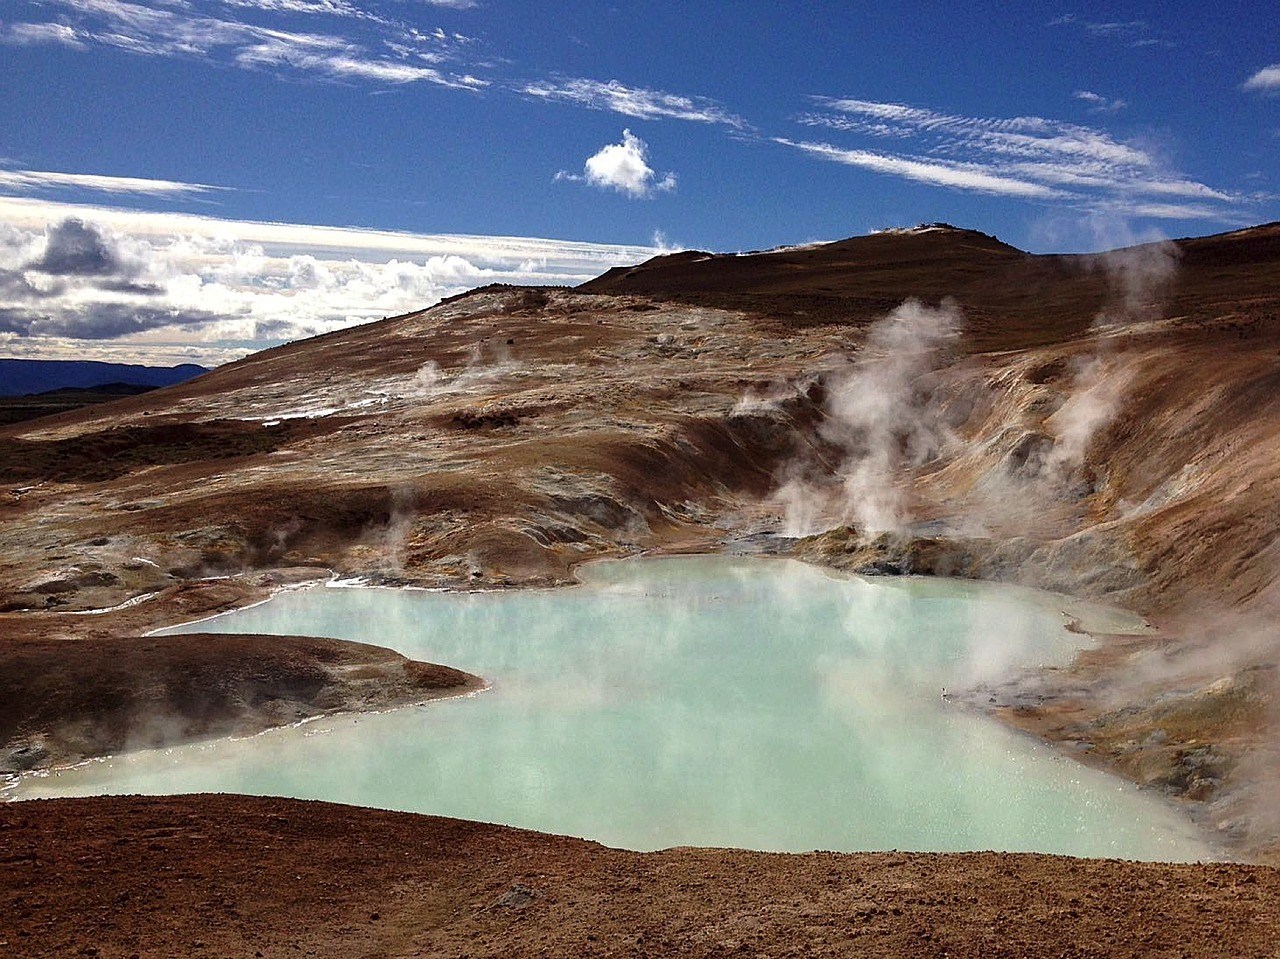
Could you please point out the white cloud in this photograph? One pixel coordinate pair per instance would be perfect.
(1028, 156)
(173, 30)
(1172, 211)
(331, 8)
(1135, 33)
(956, 175)
(388, 51)
(1267, 79)
(1100, 104)
(664, 244)
(1111, 28)
(623, 167)
(632, 101)
(24, 181)
(29, 34)
(1026, 136)
(83, 279)
(300, 57)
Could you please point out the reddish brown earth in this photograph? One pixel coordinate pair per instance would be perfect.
(508, 435)
(239, 876)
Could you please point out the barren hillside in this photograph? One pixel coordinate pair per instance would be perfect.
(242, 876)
(1104, 425)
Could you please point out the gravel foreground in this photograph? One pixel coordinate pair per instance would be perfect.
(233, 876)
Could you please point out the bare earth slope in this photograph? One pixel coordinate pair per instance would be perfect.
(104, 695)
(1105, 426)
(239, 876)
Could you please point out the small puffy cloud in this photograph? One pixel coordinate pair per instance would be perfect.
(1098, 103)
(1266, 80)
(623, 167)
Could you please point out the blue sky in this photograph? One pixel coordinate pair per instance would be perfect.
(166, 132)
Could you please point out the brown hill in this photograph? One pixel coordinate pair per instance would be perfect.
(1104, 425)
(1011, 299)
(242, 876)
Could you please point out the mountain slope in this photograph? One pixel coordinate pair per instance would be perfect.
(1103, 425)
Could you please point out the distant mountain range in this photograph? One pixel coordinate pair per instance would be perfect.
(25, 377)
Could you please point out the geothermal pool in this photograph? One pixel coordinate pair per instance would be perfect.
(692, 701)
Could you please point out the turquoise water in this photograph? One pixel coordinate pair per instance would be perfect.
(690, 701)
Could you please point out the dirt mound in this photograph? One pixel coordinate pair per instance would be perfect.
(67, 700)
(240, 876)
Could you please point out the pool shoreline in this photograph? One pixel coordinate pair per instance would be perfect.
(582, 576)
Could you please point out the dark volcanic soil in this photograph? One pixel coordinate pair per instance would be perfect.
(238, 876)
(66, 700)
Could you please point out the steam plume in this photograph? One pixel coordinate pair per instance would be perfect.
(883, 421)
(1139, 278)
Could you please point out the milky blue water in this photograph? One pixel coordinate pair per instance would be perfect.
(691, 701)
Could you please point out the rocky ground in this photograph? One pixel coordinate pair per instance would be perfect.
(240, 876)
(107, 695)
(1105, 426)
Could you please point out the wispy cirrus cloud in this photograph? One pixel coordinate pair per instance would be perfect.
(1134, 33)
(1266, 80)
(26, 181)
(331, 8)
(33, 34)
(393, 53)
(1102, 28)
(362, 45)
(961, 176)
(1026, 156)
(638, 102)
(1169, 211)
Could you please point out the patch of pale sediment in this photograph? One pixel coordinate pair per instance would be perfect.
(127, 604)
(367, 582)
(274, 590)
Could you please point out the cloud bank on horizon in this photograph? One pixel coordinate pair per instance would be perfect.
(440, 118)
(81, 282)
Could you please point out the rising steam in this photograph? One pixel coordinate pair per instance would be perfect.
(432, 380)
(882, 420)
(1139, 279)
